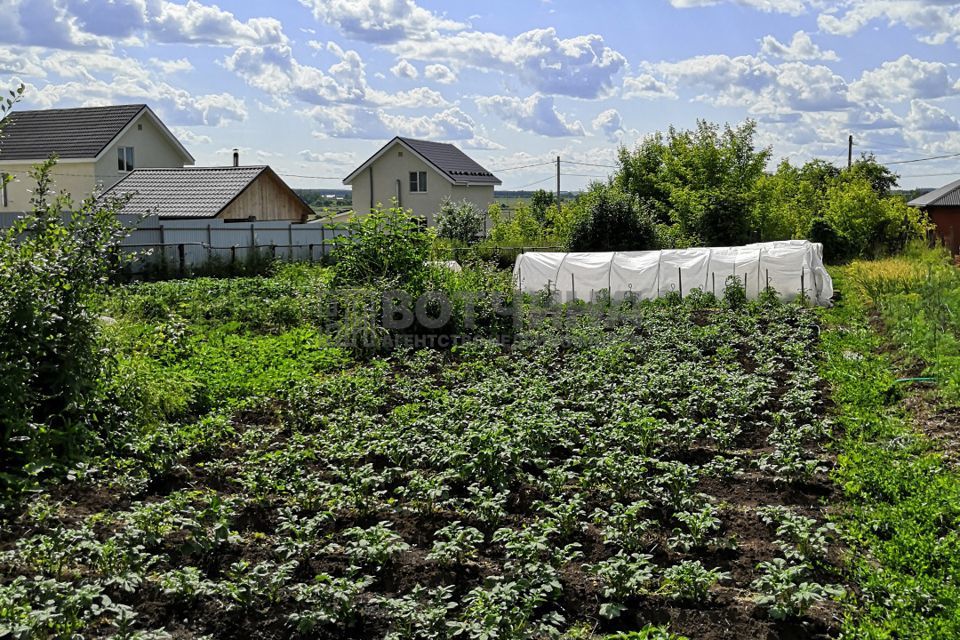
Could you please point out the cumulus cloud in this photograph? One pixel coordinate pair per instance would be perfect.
(87, 24)
(792, 7)
(189, 136)
(801, 47)
(647, 87)
(346, 121)
(381, 21)
(275, 70)
(924, 116)
(610, 123)
(328, 157)
(404, 69)
(903, 79)
(536, 114)
(937, 21)
(581, 66)
(440, 73)
(181, 65)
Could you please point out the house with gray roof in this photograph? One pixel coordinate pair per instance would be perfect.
(231, 194)
(95, 146)
(419, 175)
(943, 207)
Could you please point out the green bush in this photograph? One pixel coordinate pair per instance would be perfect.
(614, 224)
(51, 265)
(384, 246)
(461, 221)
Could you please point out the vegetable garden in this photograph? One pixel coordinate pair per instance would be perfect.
(660, 470)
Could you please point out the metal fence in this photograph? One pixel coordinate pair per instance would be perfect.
(184, 245)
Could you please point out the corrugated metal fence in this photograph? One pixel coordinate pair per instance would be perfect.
(182, 245)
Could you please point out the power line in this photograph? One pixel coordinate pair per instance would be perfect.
(591, 164)
(523, 166)
(583, 175)
(943, 157)
(931, 175)
(533, 183)
(294, 175)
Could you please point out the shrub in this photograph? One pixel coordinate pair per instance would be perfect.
(460, 221)
(613, 224)
(383, 246)
(51, 264)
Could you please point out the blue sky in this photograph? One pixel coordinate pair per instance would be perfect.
(313, 87)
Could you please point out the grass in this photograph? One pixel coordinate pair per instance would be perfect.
(902, 498)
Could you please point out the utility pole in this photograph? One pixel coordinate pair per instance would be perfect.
(558, 184)
(850, 152)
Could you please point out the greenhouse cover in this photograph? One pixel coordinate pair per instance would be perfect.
(791, 267)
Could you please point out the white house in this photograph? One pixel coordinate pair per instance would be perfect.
(96, 147)
(419, 174)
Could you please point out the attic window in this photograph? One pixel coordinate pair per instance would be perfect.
(125, 159)
(399, 154)
(139, 127)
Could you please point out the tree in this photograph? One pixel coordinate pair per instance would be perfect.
(614, 224)
(51, 265)
(540, 201)
(882, 180)
(460, 221)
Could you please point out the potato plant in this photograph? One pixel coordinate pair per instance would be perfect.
(588, 478)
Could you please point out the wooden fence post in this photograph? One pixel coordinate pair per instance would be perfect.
(181, 254)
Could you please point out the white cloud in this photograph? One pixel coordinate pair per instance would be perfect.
(381, 21)
(404, 69)
(274, 70)
(346, 121)
(440, 73)
(536, 114)
(903, 79)
(328, 157)
(197, 23)
(646, 86)
(801, 47)
(582, 66)
(938, 21)
(181, 65)
(610, 123)
(90, 24)
(928, 117)
(188, 136)
(792, 7)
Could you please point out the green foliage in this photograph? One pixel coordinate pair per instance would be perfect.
(461, 222)
(540, 203)
(613, 224)
(384, 246)
(902, 495)
(51, 264)
(785, 591)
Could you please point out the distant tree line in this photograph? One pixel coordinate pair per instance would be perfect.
(709, 186)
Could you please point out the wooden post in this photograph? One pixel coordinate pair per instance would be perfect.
(713, 276)
(290, 241)
(163, 249)
(573, 289)
(209, 243)
(803, 289)
(310, 248)
(680, 281)
(181, 254)
(323, 242)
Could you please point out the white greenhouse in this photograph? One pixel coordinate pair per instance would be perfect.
(792, 268)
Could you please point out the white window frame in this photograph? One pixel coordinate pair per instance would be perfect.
(418, 179)
(126, 161)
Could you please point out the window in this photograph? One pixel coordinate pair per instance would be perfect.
(418, 182)
(125, 158)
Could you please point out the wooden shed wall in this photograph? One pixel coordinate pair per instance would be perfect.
(947, 221)
(265, 199)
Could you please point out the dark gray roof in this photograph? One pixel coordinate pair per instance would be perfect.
(448, 159)
(190, 192)
(70, 133)
(948, 196)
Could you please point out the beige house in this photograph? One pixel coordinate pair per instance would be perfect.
(96, 147)
(419, 174)
(231, 194)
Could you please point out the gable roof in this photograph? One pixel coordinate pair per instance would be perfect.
(947, 196)
(190, 192)
(81, 133)
(449, 161)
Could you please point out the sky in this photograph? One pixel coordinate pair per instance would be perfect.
(314, 87)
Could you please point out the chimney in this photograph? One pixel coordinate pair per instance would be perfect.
(236, 157)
